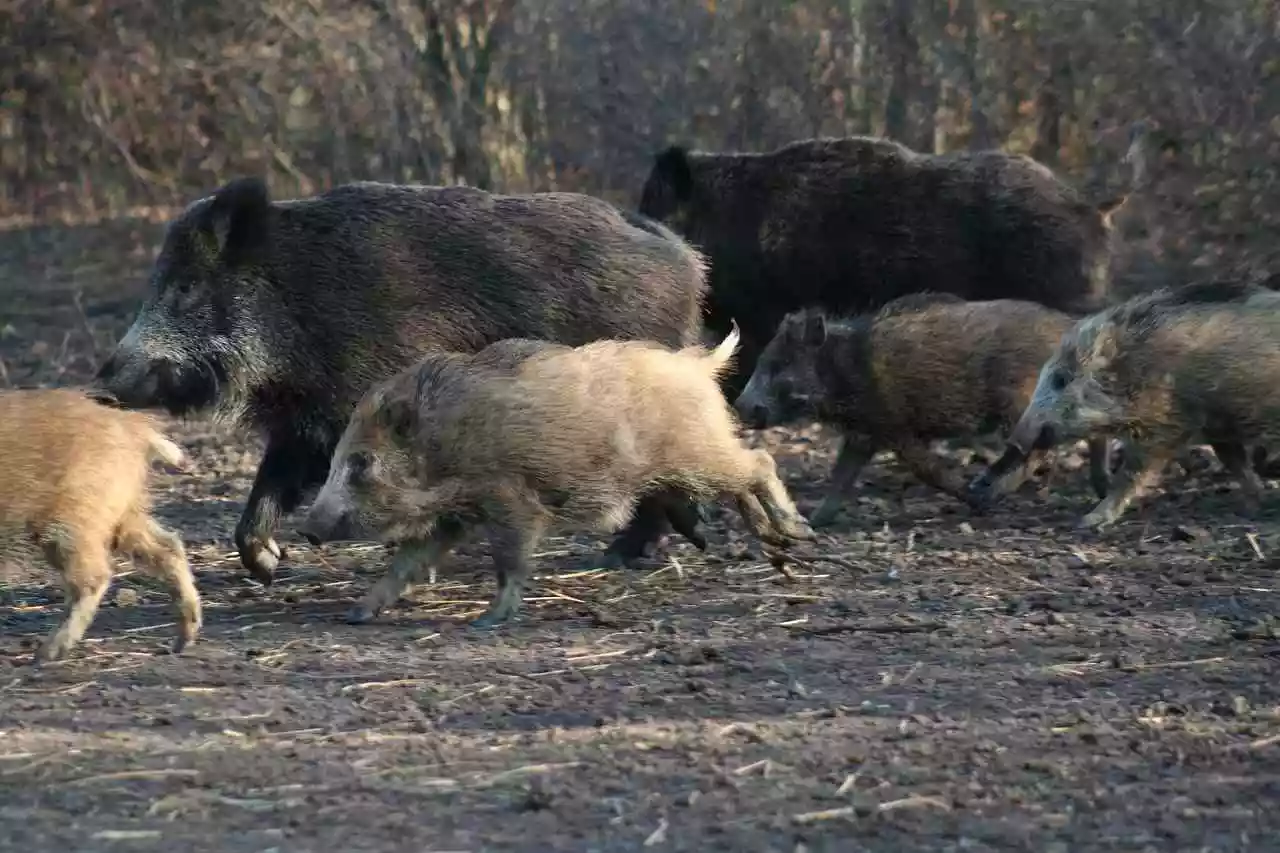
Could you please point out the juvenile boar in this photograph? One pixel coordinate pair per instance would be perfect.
(1144, 309)
(75, 490)
(1163, 376)
(568, 437)
(280, 314)
(924, 367)
(849, 224)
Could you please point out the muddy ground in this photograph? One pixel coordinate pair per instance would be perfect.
(920, 679)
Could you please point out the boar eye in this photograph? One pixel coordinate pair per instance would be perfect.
(358, 467)
(1057, 381)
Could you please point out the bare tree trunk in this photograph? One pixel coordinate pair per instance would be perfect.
(860, 88)
(902, 49)
(1054, 94)
(754, 52)
(979, 127)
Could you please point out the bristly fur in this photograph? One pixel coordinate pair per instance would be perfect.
(75, 489)
(279, 314)
(849, 224)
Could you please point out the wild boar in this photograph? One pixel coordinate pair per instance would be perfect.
(848, 224)
(280, 314)
(565, 437)
(924, 367)
(1163, 376)
(76, 475)
(1139, 310)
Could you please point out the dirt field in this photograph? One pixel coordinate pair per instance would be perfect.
(920, 679)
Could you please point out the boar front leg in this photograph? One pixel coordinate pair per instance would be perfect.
(1100, 465)
(650, 525)
(1142, 470)
(517, 528)
(854, 454)
(411, 558)
(289, 468)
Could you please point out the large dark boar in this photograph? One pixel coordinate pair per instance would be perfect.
(922, 368)
(1164, 376)
(849, 224)
(527, 437)
(281, 314)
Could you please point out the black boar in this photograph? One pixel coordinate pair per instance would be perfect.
(75, 489)
(1164, 376)
(922, 368)
(280, 314)
(524, 444)
(849, 224)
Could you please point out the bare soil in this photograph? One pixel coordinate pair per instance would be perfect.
(919, 679)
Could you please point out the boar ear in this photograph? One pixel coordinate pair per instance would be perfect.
(397, 417)
(814, 331)
(237, 217)
(1109, 208)
(673, 165)
(1103, 347)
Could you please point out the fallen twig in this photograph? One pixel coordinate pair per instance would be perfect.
(125, 775)
(870, 628)
(824, 814)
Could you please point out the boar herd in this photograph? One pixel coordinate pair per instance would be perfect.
(426, 363)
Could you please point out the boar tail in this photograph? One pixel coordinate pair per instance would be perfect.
(723, 354)
(167, 451)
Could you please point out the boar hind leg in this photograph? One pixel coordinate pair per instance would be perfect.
(855, 452)
(1142, 470)
(86, 574)
(289, 467)
(514, 543)
(411, 558)
(1237, 459)
(160, 553)
(785, 521)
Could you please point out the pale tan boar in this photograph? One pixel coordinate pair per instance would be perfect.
(75, 490)
(525, 437)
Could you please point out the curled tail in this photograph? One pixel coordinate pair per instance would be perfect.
(723, 354)
(167, 451)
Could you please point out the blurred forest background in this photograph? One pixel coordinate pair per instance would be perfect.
(128, 108)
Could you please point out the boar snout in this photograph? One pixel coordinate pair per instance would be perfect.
(325, 524)
(139, 391)
(751, 408)
(1031, 434)
(753, 415)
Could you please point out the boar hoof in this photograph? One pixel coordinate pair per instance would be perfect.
(49, 653)
(1095, 520)
(799, 530)
(260, 559)
(825, 514)
(623, 554)
(361, 614)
